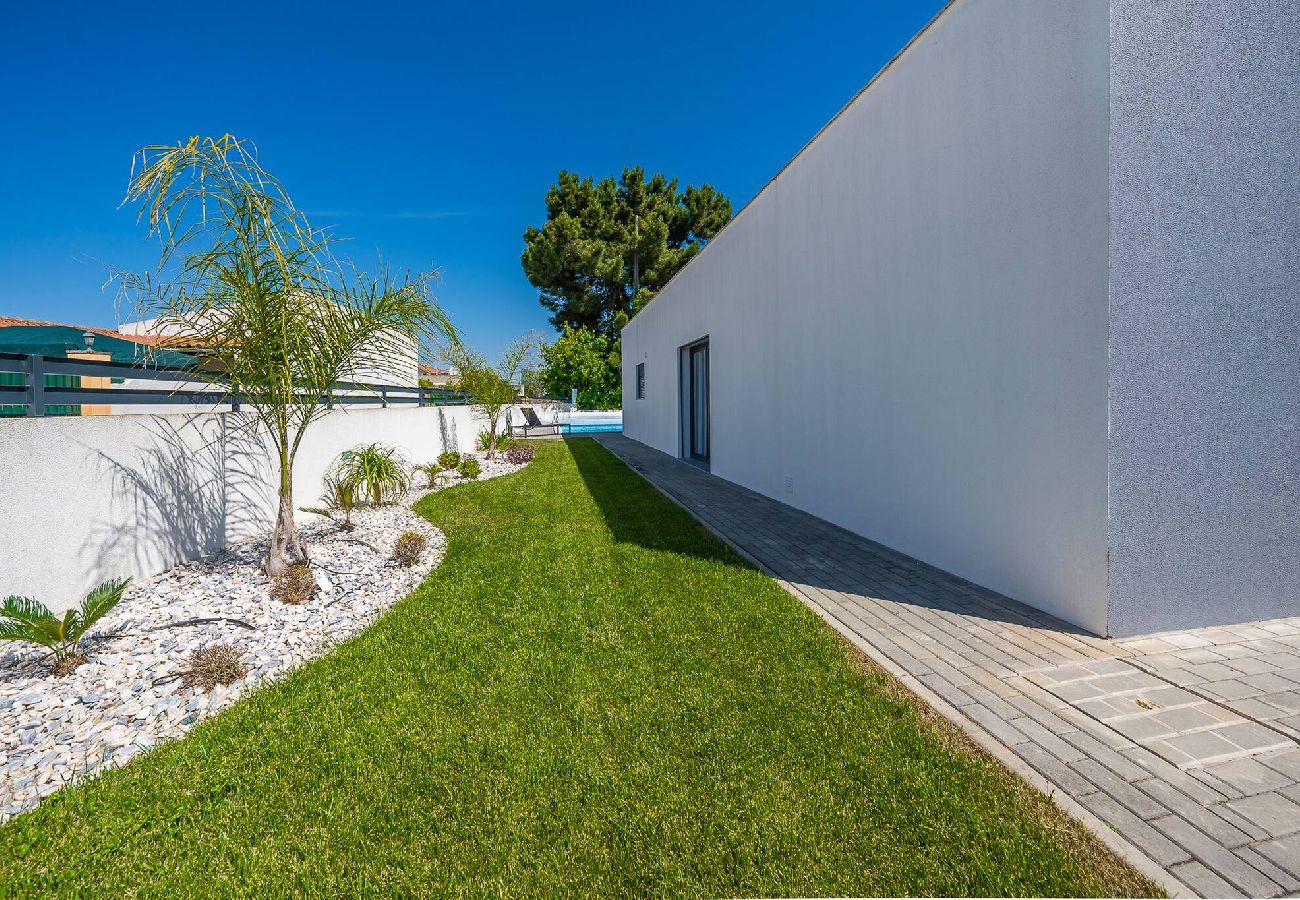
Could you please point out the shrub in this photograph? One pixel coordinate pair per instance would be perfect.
(25, 619)
(376, 471)
(484, 437)
(449, 460)
(409, 548)
(340, 496)
(469, 468)
(520, 454)
(213, 665)
(296, 586)
(431, 471)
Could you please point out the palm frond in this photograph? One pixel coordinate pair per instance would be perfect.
(99, 601)
(25, 619)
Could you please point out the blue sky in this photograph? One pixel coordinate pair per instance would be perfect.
(427, 132)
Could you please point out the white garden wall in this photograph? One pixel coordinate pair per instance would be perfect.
(87, 499)
(910, 321)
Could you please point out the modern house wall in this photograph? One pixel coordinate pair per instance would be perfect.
(1205, 312)
(99, 498)
(1034, 302)
(908, 325)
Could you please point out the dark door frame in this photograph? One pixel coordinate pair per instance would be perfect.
(697, 356)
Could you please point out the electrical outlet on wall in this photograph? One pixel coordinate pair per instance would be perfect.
(789, 484)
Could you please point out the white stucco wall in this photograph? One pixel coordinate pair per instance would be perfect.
(87, 499)
(910, 321)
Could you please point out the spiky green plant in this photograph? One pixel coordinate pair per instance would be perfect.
(484, 442)
(249, 283)
(378, 472)
(25, 619)
(339, 499)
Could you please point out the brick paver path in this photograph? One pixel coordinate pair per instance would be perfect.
(1185, 744)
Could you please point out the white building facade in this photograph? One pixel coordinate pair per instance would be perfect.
(980, 315)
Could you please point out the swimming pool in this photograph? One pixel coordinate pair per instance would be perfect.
(594, 427)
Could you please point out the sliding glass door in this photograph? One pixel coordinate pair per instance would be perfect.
(698, 374)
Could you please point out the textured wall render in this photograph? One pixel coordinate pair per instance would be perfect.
(1204, 389)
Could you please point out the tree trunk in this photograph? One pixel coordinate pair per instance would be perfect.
(286, 547)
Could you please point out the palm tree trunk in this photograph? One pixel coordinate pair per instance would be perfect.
(286, 547)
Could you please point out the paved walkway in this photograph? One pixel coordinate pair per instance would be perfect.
(1185, 744)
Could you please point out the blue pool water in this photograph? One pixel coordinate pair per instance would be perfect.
(595, 427)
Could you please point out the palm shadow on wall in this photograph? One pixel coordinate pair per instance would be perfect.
(195, 483)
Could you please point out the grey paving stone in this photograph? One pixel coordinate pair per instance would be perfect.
(1153, 843)
(945, 689)
(1112, 759)
(994, 724)
(1189, 718)
(1256, 708)
(1222, 862)
(993, 703)
(1210, 672)
(1288, 701)
(1205, 817)
(1129, 796)
(1286, 762)
(1274, 813)
(1143, 728)
(1249, 776)
(1231, 689)
(1175, 777)
(1048, 740)
(1268, 682)
(1200, 879)
(1254, 737)
(1099, 731)
(1055, 771)
(1285, 852)
(1203, 746)
(1268, 868)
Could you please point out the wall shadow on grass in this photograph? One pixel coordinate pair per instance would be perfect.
(636, 513)
(807, 551)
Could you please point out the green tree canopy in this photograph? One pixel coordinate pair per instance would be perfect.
(603, 239)
(580, 358)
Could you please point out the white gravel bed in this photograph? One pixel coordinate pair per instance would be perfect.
(129, 696)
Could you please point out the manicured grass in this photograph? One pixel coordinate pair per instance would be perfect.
(590, 696)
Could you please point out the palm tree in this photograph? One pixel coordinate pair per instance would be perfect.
(491, 389)
(243, 277)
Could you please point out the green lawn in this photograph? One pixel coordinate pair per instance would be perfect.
(590, 695)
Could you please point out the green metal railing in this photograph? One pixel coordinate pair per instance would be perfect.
(33, 385)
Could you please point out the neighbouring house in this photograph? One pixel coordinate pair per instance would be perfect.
(432, 376)
(1035, 293)
(33, 336)
(371, 368)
